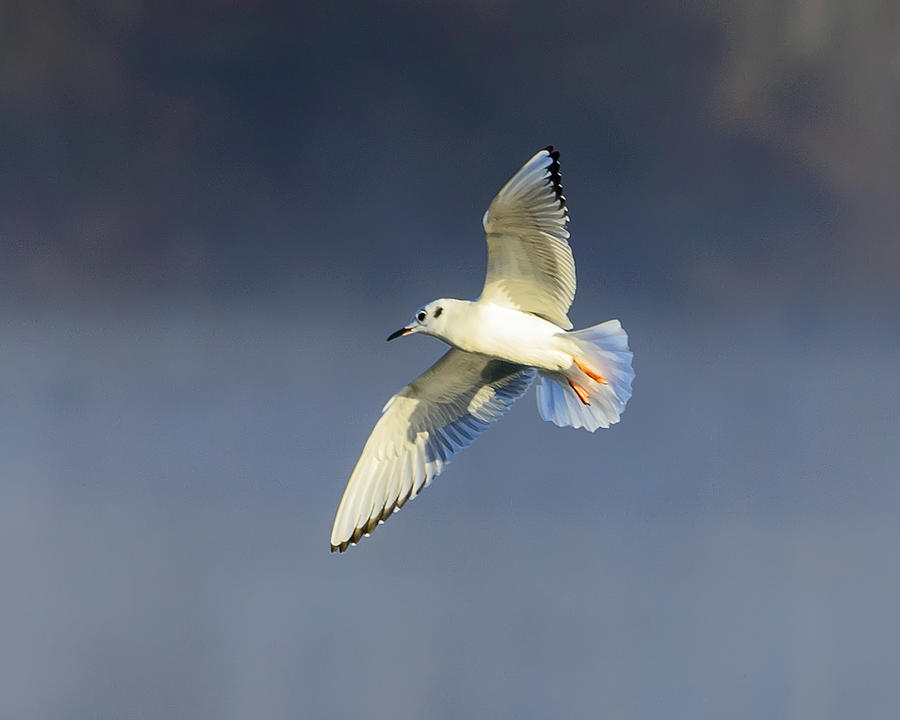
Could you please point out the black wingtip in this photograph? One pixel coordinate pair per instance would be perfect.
(555, 178)
(371, 525)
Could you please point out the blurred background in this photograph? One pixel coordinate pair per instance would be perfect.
(212, 216)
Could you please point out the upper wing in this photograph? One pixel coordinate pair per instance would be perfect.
(530, 265)
(438, 413)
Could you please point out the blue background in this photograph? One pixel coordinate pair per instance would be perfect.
(211, 218)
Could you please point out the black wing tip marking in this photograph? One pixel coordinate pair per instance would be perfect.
(555, 180)
(373, 522)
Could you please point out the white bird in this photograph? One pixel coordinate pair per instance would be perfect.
(515, 332)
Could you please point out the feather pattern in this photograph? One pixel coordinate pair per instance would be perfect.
(530, 264)
(421, 427)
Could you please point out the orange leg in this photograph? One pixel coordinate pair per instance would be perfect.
(579, 391)
(590, 373)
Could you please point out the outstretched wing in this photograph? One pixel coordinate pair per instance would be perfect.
(530, 265)
(421, 427)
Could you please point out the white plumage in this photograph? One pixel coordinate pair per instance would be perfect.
(530, 265)
(514, 332)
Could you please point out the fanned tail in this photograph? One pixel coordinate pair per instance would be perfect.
(594, 391)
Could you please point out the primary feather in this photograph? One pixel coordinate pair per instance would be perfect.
(530, 265)
(421, 427)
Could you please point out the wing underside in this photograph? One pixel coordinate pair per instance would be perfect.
(530, 265)
(421, 427)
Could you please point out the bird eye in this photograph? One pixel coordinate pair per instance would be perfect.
(421, 316)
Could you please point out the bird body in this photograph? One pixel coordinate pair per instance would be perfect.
(516, 332)
(482, 326)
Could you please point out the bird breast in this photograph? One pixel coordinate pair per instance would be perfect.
(514, 336)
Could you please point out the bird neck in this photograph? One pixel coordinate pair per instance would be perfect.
(452, 326)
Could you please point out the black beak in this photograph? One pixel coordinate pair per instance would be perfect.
(400, 333)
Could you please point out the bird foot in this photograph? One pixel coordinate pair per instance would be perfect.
(590, 373)
(579, 391)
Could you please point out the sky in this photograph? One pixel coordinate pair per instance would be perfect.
(211, 218)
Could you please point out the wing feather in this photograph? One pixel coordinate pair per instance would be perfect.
(421, 427)
(530, 263)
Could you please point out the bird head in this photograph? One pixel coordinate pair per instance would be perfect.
(428, 319)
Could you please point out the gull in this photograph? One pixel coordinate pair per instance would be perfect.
(515, 332)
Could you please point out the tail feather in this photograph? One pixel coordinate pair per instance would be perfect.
(604, 350)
